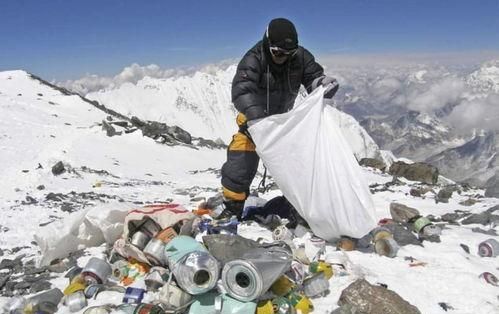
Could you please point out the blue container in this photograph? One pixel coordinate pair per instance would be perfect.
(133, 295)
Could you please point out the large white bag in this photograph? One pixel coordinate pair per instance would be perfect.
(313, 165)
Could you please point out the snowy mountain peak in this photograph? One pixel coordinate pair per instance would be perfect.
(486, 79)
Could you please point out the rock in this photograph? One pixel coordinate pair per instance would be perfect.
(491, 232)
(402, 235)
(40, 187)
(22, 285)
(110, 130)
(180, 134)
(3, 280)
(492, 186)
(373, 163)
(54, 197)
(468, 202)
(58, 168)
(483, 218)
(445, 193)
(68, 207)
(450, 217)
(492, 209)
(418, 171)
(9, 264)
(415, 192)
(29, 200)
(465, 248)
(401, 213)
(366, 298)
(40, 286)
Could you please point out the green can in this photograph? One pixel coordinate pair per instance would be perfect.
(420, 223)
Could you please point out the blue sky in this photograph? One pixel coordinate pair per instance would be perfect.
(64, 39)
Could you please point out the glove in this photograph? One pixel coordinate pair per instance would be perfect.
(331, 87)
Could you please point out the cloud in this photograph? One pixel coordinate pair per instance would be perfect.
(448, 90)
(134, 73)
(477, 113)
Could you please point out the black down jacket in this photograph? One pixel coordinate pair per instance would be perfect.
(257, 80)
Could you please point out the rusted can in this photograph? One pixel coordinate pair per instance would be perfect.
(346, 244)
(488, 248)
(381, 233)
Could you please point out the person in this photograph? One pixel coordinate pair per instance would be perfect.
(267, 82)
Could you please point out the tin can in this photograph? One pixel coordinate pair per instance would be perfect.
(166, 235)
(140, 239)
(420, 223)
(282, 233)
(386, 247)
(133, 295)
(46, 301)
(321, 267)
(345, 244)
(300, 302)
(173, 295)
(281, 305)
(75, 301)
(316, 285)
(96, 271)
(119, 270)
(265, 307)
(488, 248)
(154, 251)
(150, 227)
(490, 278)
(282, 286)
(381, 233)
(126, 308)
(147, 308)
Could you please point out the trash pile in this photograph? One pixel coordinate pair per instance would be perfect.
(171, 260)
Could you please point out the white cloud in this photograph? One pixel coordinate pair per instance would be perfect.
(478, 113)
(448, 90)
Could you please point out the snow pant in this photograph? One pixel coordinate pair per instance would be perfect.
(242, 163)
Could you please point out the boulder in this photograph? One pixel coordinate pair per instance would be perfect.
(418, 171)
(58, 168)
(483, 218)
(373, 163)
(361, 297)
(402, 213)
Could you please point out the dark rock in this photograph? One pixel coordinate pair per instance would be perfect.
(40, 187)
(110, 130)
(415, 172)
(445, 306)
(123, 124)
(450, 217)
(366, 298)
(465, 248)
(3, 280)
(58, 168)
(29, 200)
(491, 232)
(468, 202)
(22, 285)
(373, 163)
(68, 207)
(445, 193)
(415, 192)
(1, 251)
(402, 213)
(492, 186)
(433, 218)
(9, 264)
(402, 235)
(54, 197)
(492, 209)
(483, 218)
(40, 286)
(34, 270)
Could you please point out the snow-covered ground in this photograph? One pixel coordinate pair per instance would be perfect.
(40, 126)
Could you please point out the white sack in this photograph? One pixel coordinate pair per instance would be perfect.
(90, 228)
(313, 165)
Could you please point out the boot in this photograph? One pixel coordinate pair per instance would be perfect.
(232, 208)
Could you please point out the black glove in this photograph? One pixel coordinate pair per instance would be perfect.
(331, 85)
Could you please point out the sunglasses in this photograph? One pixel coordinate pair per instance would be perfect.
(280, 52)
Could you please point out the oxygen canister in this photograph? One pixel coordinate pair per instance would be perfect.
(96, 271)
(386, 247)
(75, 301)
(195, 269)
(381, 233)
(248, 278)
(488, 248)
(140, 239)
(420, 223)
(300, 302)
(321, 266)
(155, 252)
(490, 278)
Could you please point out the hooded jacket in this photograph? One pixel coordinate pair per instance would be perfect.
(261, 88)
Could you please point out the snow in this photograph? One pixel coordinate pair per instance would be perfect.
(31, 134)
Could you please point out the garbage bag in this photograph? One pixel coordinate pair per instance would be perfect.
(313, 165)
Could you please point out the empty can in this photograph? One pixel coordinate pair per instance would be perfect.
(488, 248)
(96, 271)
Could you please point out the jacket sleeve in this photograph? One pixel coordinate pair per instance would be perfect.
(245, 91)
(311, 70)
